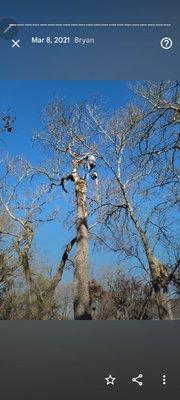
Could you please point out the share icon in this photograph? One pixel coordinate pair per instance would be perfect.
(135, 380)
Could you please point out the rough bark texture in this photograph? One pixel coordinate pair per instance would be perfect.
(81, 280)
(160, 281)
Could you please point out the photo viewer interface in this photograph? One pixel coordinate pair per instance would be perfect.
(89, 189)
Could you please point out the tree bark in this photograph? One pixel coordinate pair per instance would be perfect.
(162, 302)
(81, 279)
(33, 300)
(26, 238)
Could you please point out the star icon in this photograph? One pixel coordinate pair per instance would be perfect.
(110, 380)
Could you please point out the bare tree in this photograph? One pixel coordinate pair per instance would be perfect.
(25, 209)
(142, 144)
(24, 235)
(62, 136)
(132, 206)
(119, 295)
(136, 149)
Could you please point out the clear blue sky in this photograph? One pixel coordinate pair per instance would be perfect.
(25, 100)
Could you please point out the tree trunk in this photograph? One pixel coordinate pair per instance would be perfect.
(81, 279)
(159, 275)
(162, 302)
(33, 300)
(160, 281)
(47, 308)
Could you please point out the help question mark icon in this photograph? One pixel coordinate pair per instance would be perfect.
(166, 43)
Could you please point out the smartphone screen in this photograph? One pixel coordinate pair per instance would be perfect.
(89, 200)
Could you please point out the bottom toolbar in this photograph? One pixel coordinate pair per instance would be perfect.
(111, 380)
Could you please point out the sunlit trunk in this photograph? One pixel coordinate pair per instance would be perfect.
(81, 278)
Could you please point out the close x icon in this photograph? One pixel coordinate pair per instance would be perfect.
(15, 43)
